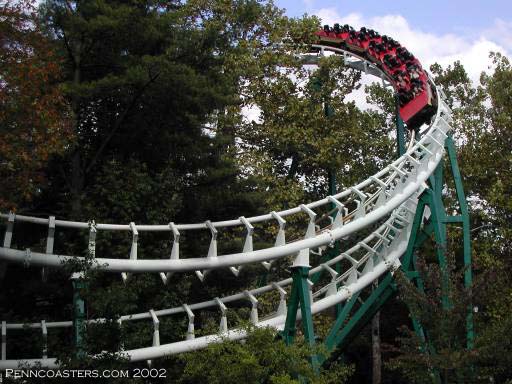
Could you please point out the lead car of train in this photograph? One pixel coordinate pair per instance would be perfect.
(416, 94)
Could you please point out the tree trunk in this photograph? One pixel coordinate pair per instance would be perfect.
(77, 172)
(294, 166)
(376, 354)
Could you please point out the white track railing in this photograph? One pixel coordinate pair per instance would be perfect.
(380, 257)
(392, 192)
(372, 241)
(383, 248)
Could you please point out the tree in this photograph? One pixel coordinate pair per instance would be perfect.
(134, 71)
(485, 140)
(294, 145)
(157, 94)
(261, 359)
(34, 115)
(444, 352)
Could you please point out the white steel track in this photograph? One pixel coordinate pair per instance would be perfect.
(391, 193)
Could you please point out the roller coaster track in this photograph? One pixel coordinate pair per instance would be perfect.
(386, 200)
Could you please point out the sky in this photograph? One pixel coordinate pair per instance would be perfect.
(433, 30)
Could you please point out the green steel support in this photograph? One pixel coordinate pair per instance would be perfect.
(340, 338)
(340, 320)
(438, 176)
(418, 237)
(372, 304)
(78, 314)
(332, 184)
(468, 277)
(454, 219)
(336, 250)
(384, 291)
(343, 332)
(439, 227)
(300, 295)
(263, 279)
(332, 189)
(379, 295)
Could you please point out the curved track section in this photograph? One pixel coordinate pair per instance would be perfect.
(416, 93)
(389, 195)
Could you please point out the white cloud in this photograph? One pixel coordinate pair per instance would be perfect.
(500, 32)
(436, 46)
(309, 3)
(475, 57)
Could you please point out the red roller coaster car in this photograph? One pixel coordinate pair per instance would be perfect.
(416, 95)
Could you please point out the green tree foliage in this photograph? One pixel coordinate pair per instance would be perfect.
(156, 92)
(260, 359)
(135, 71)
(305, 129)
(483, 120)
(445, 353)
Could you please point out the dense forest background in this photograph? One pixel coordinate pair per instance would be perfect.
(143, 111)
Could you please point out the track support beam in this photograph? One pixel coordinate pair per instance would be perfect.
(300, 295)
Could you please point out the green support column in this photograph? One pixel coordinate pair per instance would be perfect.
(263, 279)
(336, 250)
(468, 276)
(340, 322)
(300, 296)
(347, 325)
(418, 237)
(78, 313)
(332, 189)
(439, 226)
(341, 334)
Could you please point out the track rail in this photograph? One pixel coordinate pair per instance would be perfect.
(391, 193)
